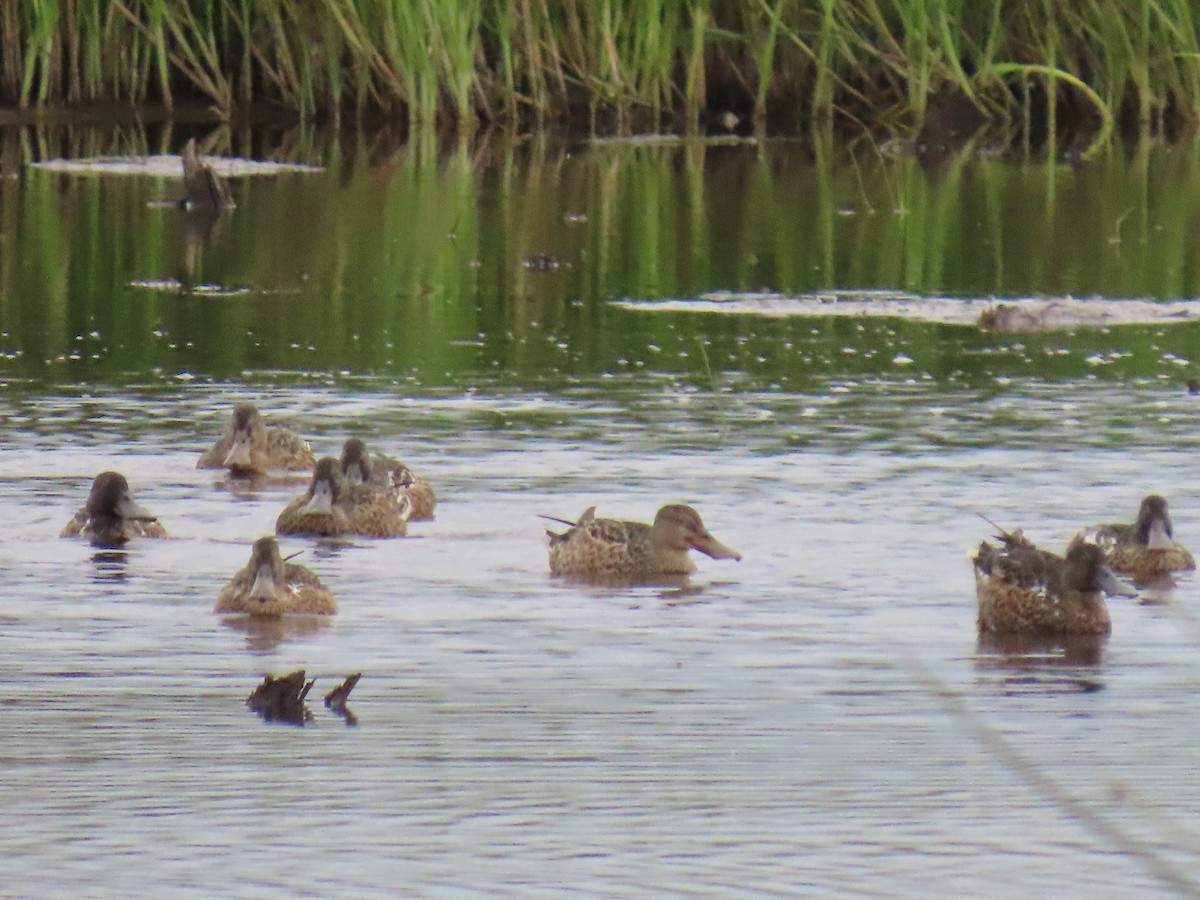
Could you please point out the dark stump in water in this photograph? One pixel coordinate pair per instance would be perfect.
(282, 699)
(336, 699)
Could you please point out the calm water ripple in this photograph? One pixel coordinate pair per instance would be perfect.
(818, 718)
(519, 735)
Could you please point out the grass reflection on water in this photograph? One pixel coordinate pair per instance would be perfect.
(408, 262)
(766, 730)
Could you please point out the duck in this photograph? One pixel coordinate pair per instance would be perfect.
(1003, 318)
(111, 516)
(269, 585)
(1053, 315)
(251, 447)
(331, 507)
(362, 467)
(1147, 549)
(617, 549)
(1024, 590)
(206, 191)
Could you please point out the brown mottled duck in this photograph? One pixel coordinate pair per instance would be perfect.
(615, 549)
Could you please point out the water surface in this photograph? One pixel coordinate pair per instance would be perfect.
(819, 716)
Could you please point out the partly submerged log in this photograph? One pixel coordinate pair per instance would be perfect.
(282, 699)
(336, 699)
(203, 188)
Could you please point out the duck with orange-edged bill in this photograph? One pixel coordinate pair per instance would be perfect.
(611, 549)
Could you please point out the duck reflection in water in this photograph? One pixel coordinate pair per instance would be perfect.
(673, 590)
(201, 229)
(109, 566)
(250, 485)
(1027, 652)
(265, 634)
(1159, 589)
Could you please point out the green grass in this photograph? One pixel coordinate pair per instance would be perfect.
(635, 63)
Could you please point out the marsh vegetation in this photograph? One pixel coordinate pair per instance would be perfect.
(613, 64)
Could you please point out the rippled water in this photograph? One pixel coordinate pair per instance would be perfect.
(818, 717)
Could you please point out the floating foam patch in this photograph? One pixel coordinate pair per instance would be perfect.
(986, 313)
(173, 286)
(673, 140)
(167, 166)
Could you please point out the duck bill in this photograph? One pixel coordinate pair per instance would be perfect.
(1108, 582)
(710, 546)
(128, 508)
(354, 475)
(264, 585)
(1159, 536)
(322, 499)
(238, 456)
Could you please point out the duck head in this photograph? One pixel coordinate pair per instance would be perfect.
(325, 487)
(678, 527)
(1086, 571)
(110, 498)
(248, 430)
(1154, 524)
(356, 462)
(270, 577)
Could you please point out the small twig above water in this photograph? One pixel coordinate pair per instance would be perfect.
(336, 699)
(1116, 236)
(716, 389)
(566, 522)
(1004, 535)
